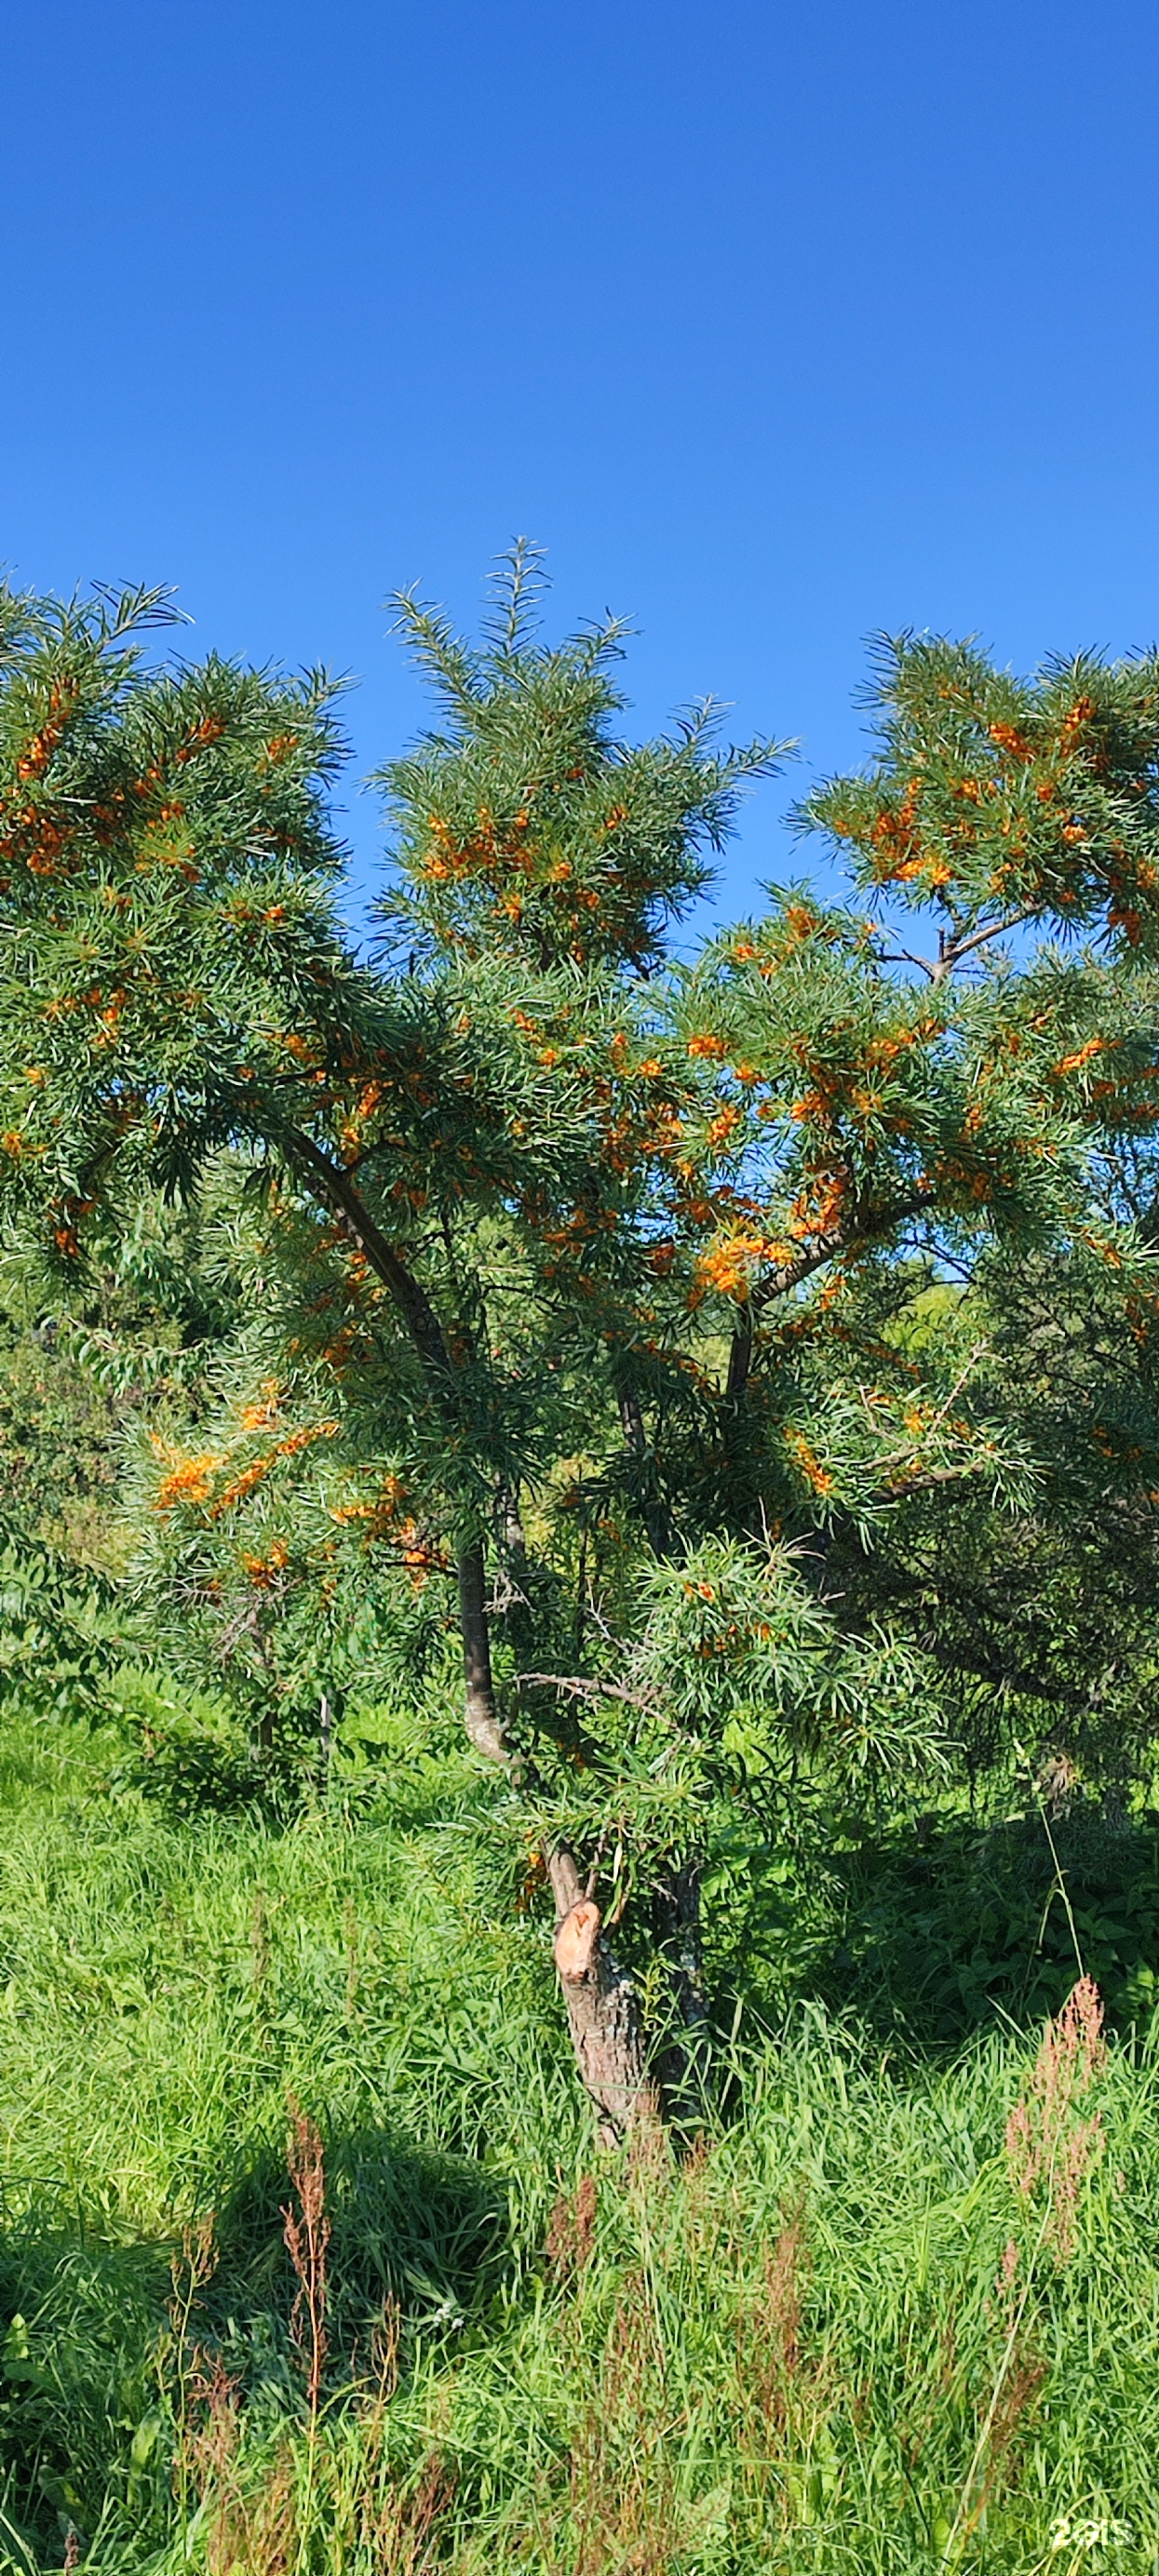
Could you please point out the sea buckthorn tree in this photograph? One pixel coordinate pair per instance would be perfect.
(925, 1213)
(587, 1287)
(452, 1148)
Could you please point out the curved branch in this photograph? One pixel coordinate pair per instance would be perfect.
(874, 1223)
(956, 949)
(330, 1183)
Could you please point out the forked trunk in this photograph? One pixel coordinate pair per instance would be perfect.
(656, 1520)
(603, 2009)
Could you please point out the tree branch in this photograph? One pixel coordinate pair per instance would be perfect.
(331, 1183)
(959, 948)
(875, 1222)
(578, 1687)
(954, 950)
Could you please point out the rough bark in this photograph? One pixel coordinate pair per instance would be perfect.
(740, 1356)
(602, 2005)
(603, 2009)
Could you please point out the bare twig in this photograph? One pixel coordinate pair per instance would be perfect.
(959, 948)
(951, 951)
(578, 1686)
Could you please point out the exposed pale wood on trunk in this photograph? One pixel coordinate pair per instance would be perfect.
(602, 2005)
(603, 2008)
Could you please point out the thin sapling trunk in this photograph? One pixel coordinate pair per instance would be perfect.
(677, 1928)
(480, 1714)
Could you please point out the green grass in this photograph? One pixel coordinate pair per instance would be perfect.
(781, 2354)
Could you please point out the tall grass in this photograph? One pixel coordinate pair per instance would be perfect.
(888, 2313)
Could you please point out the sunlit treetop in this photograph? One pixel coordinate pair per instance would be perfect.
(872, 1098)
(860, 1079)
(526, 823)
(644, 1159)
(1001, 800)
(845, 1111)
(166, 895)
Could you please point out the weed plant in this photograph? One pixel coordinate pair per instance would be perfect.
(309, 2262)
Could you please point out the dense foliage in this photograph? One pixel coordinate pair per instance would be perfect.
(726, 1372)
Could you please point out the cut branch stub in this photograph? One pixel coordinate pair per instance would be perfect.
(576, 1938)
(603, 2012)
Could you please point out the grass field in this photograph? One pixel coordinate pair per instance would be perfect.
(868, 2322)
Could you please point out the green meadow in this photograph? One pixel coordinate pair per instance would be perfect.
(793, 2338)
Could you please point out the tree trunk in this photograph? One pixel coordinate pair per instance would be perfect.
(676, 1922)
(602, 2006)
(656, 1520)
(603, 2009)
(740, 1356)
(480, 1715)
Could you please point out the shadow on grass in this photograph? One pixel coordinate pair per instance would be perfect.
(85, 2309)
(926, 1934)
(428, 2232)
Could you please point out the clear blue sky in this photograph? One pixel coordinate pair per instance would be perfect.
(775, 324)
